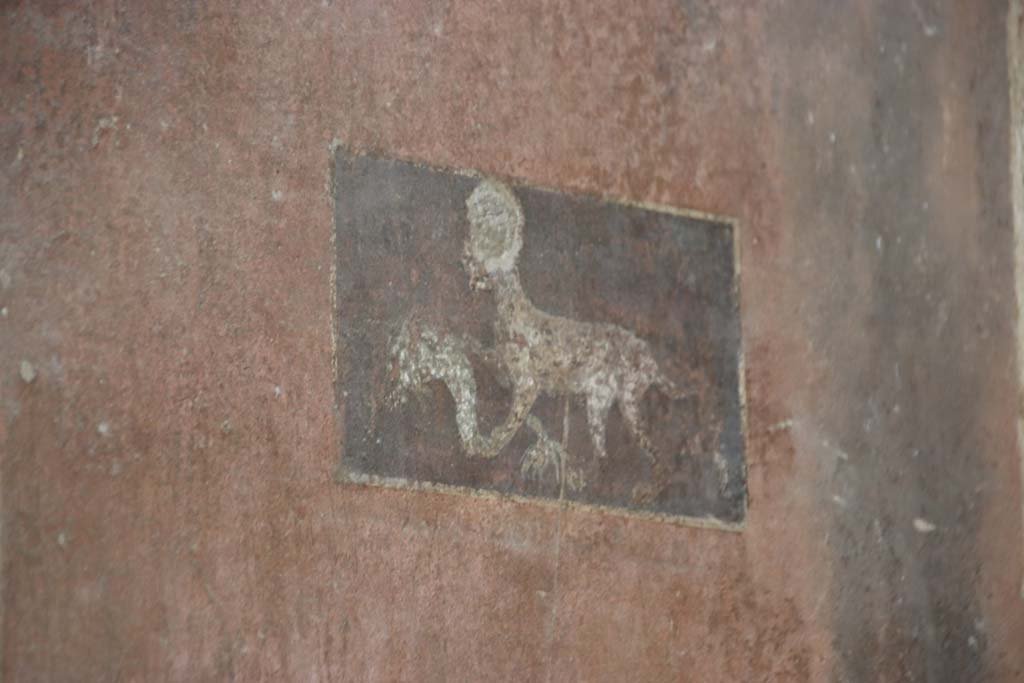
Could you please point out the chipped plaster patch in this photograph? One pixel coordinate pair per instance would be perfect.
(104, 123)
(27, 372)
(923, 526)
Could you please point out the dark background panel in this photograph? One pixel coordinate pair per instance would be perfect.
(668, 278)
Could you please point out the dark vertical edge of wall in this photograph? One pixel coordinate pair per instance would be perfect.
(1015, 60)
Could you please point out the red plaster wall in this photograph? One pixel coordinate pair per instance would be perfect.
(168, 510)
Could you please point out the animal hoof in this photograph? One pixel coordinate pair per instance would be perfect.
(539, 458)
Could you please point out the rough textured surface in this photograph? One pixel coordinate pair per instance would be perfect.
(165, 247)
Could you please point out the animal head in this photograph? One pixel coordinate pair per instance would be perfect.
(495, 232)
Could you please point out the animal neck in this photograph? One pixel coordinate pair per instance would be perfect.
(509, 292)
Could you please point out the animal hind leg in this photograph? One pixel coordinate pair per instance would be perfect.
(637, 425)
(643, 493)
(597, 420)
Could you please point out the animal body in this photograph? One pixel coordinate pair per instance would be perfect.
(544, 353)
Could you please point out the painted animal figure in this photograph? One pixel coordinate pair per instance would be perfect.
(540, 352)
